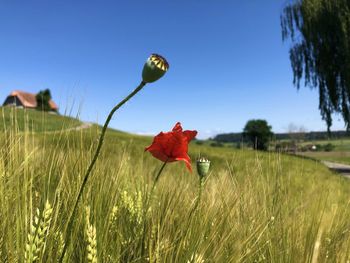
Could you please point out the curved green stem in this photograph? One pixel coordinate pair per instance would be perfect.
(155, 182)
(148, 200)
(91, 166)
(200, 188)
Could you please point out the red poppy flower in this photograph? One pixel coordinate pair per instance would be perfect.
(172, 146)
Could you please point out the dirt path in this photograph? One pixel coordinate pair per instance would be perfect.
(83, 126)
(342, 169)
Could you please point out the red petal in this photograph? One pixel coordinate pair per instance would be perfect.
(163, 145)
(190, 135)
(172, 146)
(187, 161)
(177, 127)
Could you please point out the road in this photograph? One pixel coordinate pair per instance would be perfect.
(342, 169)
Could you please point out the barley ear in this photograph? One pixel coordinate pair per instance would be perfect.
(90, 230)
(37, 236)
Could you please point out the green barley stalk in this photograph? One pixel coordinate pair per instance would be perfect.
(91, 239)
(113, 218)
(38, 232)
(59, 242)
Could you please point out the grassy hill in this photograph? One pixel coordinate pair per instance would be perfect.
(255, 207)
(34, 121)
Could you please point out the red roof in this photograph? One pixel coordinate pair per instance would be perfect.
(29, 100)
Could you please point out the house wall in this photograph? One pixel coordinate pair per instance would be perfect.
(13, 101)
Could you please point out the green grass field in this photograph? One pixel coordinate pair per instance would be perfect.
(255, 207)
(34, 121)
(340, 153)
(334, 156)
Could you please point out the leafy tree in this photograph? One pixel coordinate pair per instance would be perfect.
(259, 133)
(43, 98)
(320, 52)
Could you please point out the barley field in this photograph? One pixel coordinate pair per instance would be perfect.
(254, 207)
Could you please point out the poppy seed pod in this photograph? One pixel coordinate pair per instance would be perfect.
(203, 166)
(154, 68)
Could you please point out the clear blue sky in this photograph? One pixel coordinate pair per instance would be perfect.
(227, 62)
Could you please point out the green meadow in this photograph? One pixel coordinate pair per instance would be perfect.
(255, 206)
(32, 120)
(334, 156)
(339, 154)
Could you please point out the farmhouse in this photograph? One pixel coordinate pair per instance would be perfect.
(26, 100)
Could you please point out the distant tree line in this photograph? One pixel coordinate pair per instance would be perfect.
(308, 136)
(229, 137)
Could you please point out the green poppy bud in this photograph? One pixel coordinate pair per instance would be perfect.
(154, 68)
(203, 166)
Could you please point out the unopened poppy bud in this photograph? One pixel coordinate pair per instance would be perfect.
(154, 68)
(203, 166)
